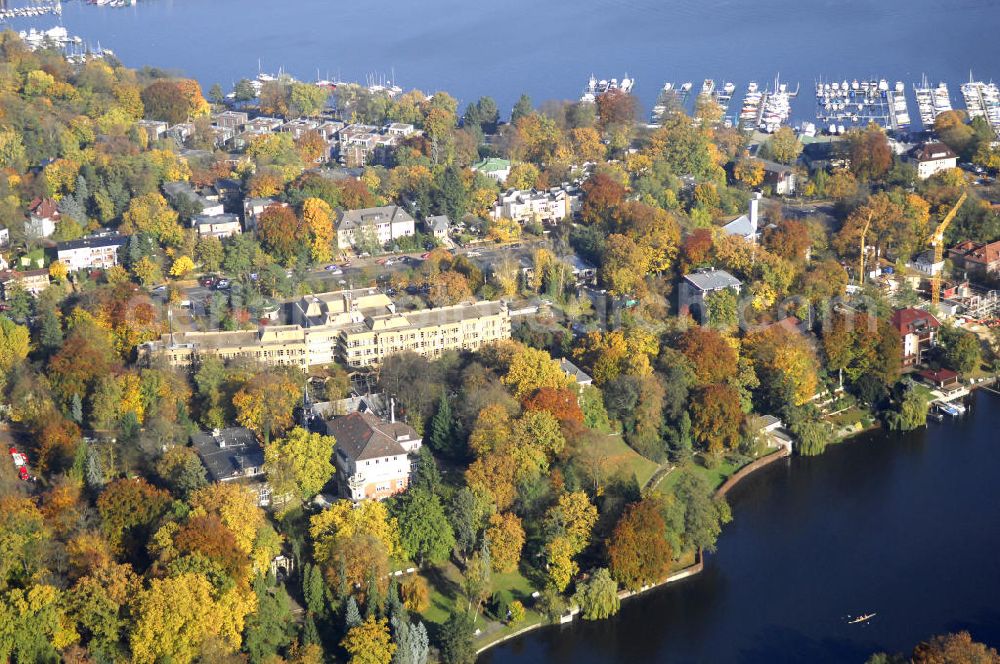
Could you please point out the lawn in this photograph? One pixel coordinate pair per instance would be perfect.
(446, 585)
(714, 476)
(620, 458)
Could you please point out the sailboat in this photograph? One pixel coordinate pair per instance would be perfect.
(861, 619)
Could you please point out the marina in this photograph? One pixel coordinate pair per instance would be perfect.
(982, 100)
(931, 101)
(672, 98)
(595, 88)
(841, 105)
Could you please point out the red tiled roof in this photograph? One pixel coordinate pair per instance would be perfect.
(44, 208)
(939, 376)
(933, 152)
(978, 253)
(363, 436)
(910, 320)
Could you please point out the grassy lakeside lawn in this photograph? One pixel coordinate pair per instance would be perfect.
(446, 587)
(715, 476)
(620, 458)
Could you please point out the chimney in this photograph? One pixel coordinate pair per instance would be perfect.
(755, 211)
(392, 409)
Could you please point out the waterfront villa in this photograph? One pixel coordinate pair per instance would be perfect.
(918, 330)
(932, 158)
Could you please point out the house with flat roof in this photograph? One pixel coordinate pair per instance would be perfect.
(695, 287)
(211, 205)
(96, 251)
(372, 457)
(384, 224)
(494, 168)
(533, 205)
(220, 226)
(233, 455)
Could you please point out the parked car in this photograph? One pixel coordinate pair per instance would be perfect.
(331, 268)
(207, 282)
(222, 284)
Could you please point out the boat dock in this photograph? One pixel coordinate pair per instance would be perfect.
(672, 98)
(31, 12)
(931, 101)
(982, 101)
(856, 104)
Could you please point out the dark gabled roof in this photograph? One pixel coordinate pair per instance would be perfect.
(226, 453)
(363, 436)
(933, 152)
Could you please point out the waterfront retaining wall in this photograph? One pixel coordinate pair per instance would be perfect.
(749, 469)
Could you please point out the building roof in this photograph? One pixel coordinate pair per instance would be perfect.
(362, 436)
(933, 152)
(975, 252)
(438, 223)
(208, 220)
(911, 320)
(711, 279)
(227, 453)
(574, 372)
(940, 376)
(438, 316)
(44, 208)
(386, 214)
(109, 240)
(492, 165)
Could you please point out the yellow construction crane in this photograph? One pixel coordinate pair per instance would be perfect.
(937, 241)
(864, 234)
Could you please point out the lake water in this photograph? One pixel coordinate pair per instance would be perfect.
(549, 49)
(904, 526)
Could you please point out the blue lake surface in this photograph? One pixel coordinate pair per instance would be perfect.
(550, 48)
(905, 526)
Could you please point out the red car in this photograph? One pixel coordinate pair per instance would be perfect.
(424, 256)
(21, 463)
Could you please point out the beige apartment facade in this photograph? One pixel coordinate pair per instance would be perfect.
(356, 327)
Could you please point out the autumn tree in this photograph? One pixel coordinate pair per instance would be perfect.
(784, 146)
(956, 648)
(871, 156)
(264, 405)
(785, 364)
(281, 232)
(129, 508)
(506, 538)
(164, 100)
(150, 213)
(299, 463)
(789, 239)
(625, 265)
(638, 553)
(561, 403)
(712, 355)
(716, 418)
(532, 369)
(601, 194)
(369, 642)
(749, 172)
(318, 220)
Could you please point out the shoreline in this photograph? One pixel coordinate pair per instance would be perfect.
(680, 575)
(698, 566)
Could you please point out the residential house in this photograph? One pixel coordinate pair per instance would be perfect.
(211, 204)
(918, 330)
(43, 214)
(181, 132)
(780, 178)
(32, 281)
(932, 158)
(579, 376)
(826, 155)
(583, 271)
(747, 226)
(401, 129)
(96, 251)
(234, 120)
(262, 125)
(383, 224)
(234, 455)
(253, 207)
(4, 236)
(154, 129)
(438, 226)
(372, 457)
(220, 226)
(698, 285)
(924, 263)
(493, 168)
(549, 205)
(977, 257)
(361, 145)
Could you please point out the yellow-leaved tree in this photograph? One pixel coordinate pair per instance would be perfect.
(369, 642)
(531, 369)
(318, 219)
